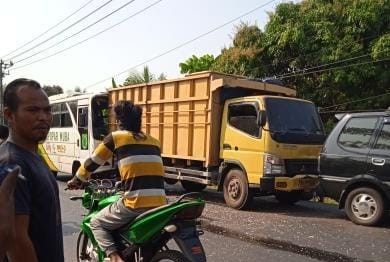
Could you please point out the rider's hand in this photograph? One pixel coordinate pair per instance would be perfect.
(75, 183)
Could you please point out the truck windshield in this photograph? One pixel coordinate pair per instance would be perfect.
(100, 117)
(294, 121)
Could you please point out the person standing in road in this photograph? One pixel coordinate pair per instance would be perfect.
(141, 170)
(38, 228)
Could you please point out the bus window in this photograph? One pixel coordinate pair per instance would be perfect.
(66, 121)
(99, 117)
(56, 112)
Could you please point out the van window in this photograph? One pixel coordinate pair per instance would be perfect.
(357, 132)
(383, 142)
(244, 117)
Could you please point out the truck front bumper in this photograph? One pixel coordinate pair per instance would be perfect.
(296, 183)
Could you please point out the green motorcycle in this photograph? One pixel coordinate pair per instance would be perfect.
(145, 238)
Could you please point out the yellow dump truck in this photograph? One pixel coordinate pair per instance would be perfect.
(247, 138)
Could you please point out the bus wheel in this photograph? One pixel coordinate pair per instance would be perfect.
(236, 190)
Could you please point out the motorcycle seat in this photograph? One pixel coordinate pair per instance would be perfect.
(151, 211)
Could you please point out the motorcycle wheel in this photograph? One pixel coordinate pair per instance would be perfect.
(169, 255)
(85, 249)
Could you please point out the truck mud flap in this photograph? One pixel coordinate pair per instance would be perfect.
(187, 239)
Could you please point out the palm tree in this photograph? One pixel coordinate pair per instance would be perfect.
(146, 76)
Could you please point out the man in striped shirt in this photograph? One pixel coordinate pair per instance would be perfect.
(141, 170)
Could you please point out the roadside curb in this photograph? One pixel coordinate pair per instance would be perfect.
(311, 252)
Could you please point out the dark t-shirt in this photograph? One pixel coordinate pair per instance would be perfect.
(38, 198)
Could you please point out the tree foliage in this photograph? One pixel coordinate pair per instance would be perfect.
(195, 64)
(242, 57)
(145, 76)
(331, 52)
(52, 90)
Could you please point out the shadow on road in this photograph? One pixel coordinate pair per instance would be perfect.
(269, 204)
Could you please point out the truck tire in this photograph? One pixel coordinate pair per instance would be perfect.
(365, 206)
(236, 190)
(288, 198)
(190, 186)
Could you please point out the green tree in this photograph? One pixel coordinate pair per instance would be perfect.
(52, 90)
(303, 44)
(145, 76)
(245, 55)
(195, 64)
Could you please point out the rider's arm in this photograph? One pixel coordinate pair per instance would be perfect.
(21, 247)
(102, 153)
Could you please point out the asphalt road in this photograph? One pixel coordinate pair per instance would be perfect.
(218, 248)
(268, 231)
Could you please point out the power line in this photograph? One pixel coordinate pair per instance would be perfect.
(183, 44)
(82, 30)
(354, 101)
(54, 26)
(80, 42)
(314, 52)
(332, 63)
(333, 68)
(63, 30)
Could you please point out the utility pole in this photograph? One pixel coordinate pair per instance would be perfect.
(3, 67)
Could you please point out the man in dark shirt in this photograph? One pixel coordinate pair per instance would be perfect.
(38, 232)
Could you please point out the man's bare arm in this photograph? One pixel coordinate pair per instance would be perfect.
(7, 213)
(22, 249)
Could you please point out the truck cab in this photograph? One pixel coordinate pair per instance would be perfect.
(273, 143)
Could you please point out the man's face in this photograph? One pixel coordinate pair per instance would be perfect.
(32, 119)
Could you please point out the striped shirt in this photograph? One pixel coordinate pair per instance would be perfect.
(140, 167)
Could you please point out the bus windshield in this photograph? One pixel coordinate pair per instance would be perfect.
(99, 117)
(294, 121)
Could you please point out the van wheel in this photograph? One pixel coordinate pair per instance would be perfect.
(192, 186)
(288, 198)
(365, 206)
(236, 191)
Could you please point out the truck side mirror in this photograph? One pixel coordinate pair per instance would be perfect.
(262, 118)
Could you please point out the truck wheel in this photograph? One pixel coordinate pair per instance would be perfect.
(288, 198)
(192, 186)
(365, 206)
(236, 191)
(170, 181)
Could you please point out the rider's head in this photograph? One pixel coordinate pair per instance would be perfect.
(128, 115)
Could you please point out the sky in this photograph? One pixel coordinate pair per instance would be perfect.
(90, 65)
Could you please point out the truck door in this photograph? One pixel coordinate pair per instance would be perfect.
(241, 138)
(379, 156)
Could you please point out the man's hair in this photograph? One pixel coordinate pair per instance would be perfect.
(10, 92)
(129, 115)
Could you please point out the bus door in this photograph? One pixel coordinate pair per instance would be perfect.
(82, 143)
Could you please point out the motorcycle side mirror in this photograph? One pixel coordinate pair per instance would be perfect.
(262, 118)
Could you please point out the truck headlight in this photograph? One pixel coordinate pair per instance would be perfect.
(274, 165)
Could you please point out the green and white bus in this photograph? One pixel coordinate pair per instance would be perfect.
(80, 122)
